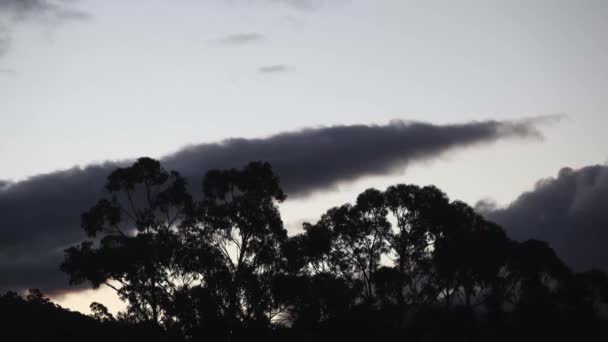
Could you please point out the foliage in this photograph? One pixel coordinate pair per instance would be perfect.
(405, 262)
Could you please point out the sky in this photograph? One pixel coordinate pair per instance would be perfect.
(87, 81)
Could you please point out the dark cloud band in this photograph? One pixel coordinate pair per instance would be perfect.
(40, 216)
(318, 159)
(569, 211)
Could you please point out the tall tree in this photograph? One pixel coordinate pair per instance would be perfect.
(468, 255)
(139, 239)
(238, 221)
(416, 213)
(182, 264)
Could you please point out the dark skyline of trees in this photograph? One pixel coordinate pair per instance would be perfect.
(406, 262)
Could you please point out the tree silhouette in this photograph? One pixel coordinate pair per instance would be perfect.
(101, 313)
(417, 213)
(35, 318)
(181, 264)
(238, 232)
(468, 254)
(402, 263)
(138, 253)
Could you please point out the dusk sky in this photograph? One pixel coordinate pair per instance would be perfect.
(509, 93)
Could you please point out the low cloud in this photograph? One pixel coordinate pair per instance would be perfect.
(569, 211)
(318, 159)
(40, 215)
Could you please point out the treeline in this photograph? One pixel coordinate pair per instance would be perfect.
(405, 263)
(35, 318)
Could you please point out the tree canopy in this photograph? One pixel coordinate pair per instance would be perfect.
(218, 264)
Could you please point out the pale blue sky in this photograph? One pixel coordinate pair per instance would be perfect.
(145, 77)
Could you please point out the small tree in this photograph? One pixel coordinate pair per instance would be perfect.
(101, 313)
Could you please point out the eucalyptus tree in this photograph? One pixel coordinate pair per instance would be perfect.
(348, 241)
(469, 254)
(138, 239)
(535, 276)
(198, 267)
(416, 212)
(239, 223)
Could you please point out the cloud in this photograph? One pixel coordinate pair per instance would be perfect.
(569, 211)
(273, 69)
(300, 4)
(6, 72)
(13, 12)
(318, 159)
(40, 215)
(241, 39)
(24, 9)
(20, 8)
(308, 5)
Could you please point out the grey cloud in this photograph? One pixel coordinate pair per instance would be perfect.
(23, 9)
(569, 211)
(273, 69)
(307, 5)
(320, 158)
(300, 5)
(241, 38)
(40, 215)
(13, 12)
(20, 8)
(5, 39)
(6, 72)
